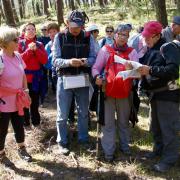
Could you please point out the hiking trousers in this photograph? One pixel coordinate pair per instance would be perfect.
(122, 108)
(17, 124)
(165, 120)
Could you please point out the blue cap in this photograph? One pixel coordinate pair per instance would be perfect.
(76, 19)
(176, 20)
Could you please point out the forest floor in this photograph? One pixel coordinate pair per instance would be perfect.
(81, 164)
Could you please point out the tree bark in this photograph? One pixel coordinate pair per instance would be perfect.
(38, 9)
(101, 3)
(33, 8)
(20, 8)
(45, 7)
(8, 13)
(71, 4)
(14, 12)
(59, 5)
(161, 14)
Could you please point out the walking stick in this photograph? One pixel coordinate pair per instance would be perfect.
(98, 125)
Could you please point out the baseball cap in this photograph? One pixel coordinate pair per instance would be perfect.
(76, 18)
(151, 28)
(176, 20)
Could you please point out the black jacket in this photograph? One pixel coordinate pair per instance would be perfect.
(163, 69)
(74, 47)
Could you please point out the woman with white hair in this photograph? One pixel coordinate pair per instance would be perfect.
(14, 84)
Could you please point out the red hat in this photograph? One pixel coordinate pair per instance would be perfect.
(151, 28)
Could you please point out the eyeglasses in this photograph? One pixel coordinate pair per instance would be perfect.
(109, 31)
(123, 35)
(43, 29)
(15, 40)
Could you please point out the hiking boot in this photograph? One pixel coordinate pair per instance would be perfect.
(109, 158)
(28, 128)
(151, 155)
(23, 154)
(63, 149)
(161, 167)
(126, 152)
(5, 161)
(86, 146)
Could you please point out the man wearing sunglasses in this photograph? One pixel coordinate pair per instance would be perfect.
(109, 39)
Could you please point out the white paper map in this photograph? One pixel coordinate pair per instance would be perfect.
(133, 73)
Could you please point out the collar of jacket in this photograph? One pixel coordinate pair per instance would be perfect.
(158, 44)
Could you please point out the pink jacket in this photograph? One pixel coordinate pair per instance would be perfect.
(22, 99)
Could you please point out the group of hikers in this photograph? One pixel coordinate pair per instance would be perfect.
(83, 74)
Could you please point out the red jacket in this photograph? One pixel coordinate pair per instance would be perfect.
(115, 86)
(32, 59)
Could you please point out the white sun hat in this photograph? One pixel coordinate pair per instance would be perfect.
(92, 28)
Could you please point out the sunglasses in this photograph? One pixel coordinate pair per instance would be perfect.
(15, 40)
(43, 29)
(109, 31)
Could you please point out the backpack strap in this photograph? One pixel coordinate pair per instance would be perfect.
(103, 42)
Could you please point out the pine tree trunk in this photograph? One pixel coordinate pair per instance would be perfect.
(20, 8)
(8, 13)
(71, 4)
(101, 3)
(38, 9)
(161, 14)
(14, 12)
(59, 6)
(33, 8)
(45, 7)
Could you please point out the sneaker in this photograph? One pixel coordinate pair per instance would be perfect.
(5, 161)
(109, 158)
(63, 149)
(23, 154)
(161, 167)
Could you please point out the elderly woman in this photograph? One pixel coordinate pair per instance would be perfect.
(12, 78)
(117, 91)
(160, 71)
(34, 55)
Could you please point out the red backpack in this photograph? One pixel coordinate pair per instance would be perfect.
(115, 86)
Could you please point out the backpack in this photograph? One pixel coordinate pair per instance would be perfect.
(176, 44)
(115, 86)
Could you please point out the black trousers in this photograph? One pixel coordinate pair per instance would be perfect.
(17, 124)
(33, 112)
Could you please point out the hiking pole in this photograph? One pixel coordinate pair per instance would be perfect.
(98, 125)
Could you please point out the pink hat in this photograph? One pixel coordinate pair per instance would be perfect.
(151, 28)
